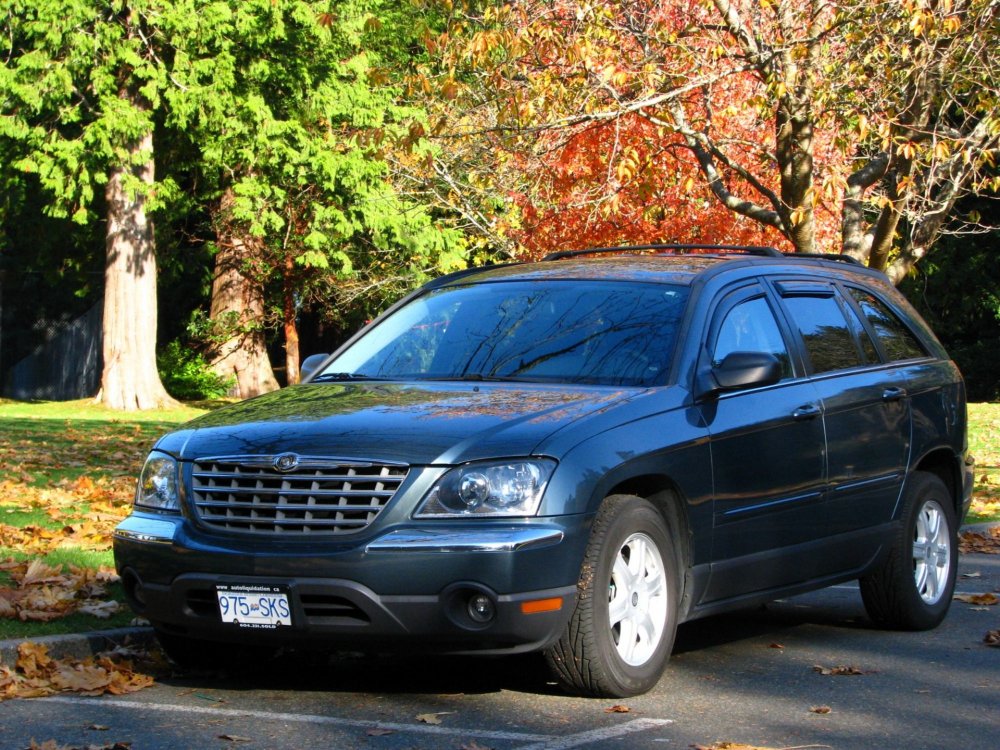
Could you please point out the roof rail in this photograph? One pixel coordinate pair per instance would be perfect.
(450, 277)
(839, 257)
(768, 252)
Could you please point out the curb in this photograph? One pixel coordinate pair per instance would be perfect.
(79, 645)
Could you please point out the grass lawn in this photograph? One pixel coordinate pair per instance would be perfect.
(984, 445)
(67, 473)
(68, 470)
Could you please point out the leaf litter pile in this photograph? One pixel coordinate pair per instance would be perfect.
(985, 542)
(43, 593)
(36, 674)
(61, 491)
(83, 514)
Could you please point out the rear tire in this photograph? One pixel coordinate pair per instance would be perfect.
(622, 629)
(912, 588)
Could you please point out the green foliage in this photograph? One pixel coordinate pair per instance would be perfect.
(291, 108)
(186, 375)
(957, 289)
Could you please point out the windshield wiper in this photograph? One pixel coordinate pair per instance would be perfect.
(478, 377)
(328, 377)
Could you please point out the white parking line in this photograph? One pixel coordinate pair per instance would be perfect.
(538, 741)
(596, 735)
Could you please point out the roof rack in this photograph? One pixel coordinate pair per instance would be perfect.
(839, 257)
(767, 252)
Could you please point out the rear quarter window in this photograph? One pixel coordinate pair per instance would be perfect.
(897, 341)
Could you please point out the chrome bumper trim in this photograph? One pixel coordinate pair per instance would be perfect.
(487, 540)
(146, 530)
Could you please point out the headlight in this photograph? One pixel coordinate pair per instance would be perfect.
(508, 488)
(158, 483)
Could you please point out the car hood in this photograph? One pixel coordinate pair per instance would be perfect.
(422, 423)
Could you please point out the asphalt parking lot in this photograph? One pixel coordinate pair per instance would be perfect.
(749, 677)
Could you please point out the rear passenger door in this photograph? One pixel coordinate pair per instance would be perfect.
(767, 450)
(865, 411)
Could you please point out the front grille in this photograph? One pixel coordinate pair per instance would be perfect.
(318, 496)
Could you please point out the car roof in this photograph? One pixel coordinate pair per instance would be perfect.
(637, 264)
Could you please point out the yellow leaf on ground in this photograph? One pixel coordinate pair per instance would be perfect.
(986, 599)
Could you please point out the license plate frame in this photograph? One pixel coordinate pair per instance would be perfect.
(257, 606)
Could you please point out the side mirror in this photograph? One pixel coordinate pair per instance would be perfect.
(739, 371)
(309, 366)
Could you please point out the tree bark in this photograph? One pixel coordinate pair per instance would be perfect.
(130, 380)
(291, 328)
(238, 306)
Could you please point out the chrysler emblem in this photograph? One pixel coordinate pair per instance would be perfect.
(286, 462)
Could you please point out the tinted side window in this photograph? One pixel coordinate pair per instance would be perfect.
(828, 339)
(750, 327)
(896, 339)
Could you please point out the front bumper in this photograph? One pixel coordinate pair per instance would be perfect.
(407, 587)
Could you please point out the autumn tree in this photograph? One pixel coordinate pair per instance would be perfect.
(809, 118)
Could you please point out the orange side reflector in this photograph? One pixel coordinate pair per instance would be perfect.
(542, 605)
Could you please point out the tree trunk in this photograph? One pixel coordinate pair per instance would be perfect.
(238, 306)
(291, 329)
(130, 380)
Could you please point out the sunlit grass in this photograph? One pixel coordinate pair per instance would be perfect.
(984, 445)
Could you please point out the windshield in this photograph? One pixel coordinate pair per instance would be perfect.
(603, 333)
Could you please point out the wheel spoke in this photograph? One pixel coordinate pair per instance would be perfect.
(618, 607)
(627, 639)
(637, 599)
(931, 553)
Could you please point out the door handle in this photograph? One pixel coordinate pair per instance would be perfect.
(893, 393)
(806, 411)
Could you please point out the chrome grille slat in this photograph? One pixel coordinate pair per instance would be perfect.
(382, 494)
(321, 496)
(257, 472)
(285, 506)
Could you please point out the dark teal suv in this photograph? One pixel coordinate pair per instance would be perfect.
(570, 456)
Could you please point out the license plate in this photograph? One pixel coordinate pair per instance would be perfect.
(250, 606)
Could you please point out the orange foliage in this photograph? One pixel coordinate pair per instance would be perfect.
(588, 146)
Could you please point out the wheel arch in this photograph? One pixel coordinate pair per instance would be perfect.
(667, 497)
(943, 463)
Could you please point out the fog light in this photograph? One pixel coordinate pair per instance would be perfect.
(481, 608)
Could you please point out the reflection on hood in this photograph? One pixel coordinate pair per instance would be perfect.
(412, 423)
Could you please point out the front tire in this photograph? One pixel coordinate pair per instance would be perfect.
(913, 587)
(621, 632)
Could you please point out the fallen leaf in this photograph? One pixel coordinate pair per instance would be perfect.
(840, 671)
(234, 738)
(433, 718)
(473, 745)
(98, 727)
(776, 645)
(976, 574)
(617, 709)
(987, 543)
(992, 638)
(103, 610)
(820, 709)
(379, 732)
(986, 599)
